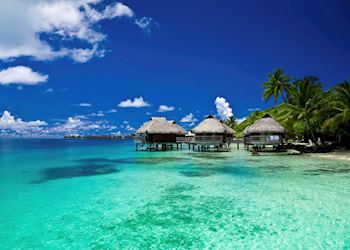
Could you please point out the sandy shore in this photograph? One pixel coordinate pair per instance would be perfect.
(337, 155)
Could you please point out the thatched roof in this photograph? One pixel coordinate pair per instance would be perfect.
(159, 125)
(210, 125)
(265, 125)
(229, 130)
(245, 130)
(179, 128)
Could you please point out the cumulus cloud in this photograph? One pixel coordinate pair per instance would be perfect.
(223, 108)
(136, 103)
(47, 29)
(118, 133)
(11, 126)
(165, 108)
(239, 120)
(21, 75)
(129, 128)
(85, 104)
(189, 118)
(74, 125)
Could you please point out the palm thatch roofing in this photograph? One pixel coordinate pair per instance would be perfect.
(229, 130)
(181, 130)
(210, 125)
(266, 125)
(159, 125)
(245, 130)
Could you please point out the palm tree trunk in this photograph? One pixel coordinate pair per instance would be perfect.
(311, 131)
(283, 97)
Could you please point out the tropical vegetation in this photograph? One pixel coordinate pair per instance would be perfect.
(305, 109)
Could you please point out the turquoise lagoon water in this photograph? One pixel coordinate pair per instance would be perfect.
(62, 194)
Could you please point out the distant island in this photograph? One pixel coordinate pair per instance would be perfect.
(99, 137)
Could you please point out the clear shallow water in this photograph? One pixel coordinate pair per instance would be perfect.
(57, 194)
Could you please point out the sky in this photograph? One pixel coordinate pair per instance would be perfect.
(105, 67)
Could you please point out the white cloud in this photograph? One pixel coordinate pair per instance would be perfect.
(49, 90)
(129, 128)
(11, 126)
(16, 127)
(147, 24)
(143, 22)
(136, 103)
(189, 118)
(74, 125)
(118, 133)
(223, 108)
(21, 75)
(42, 25)
(253, 109)
(99, 114)
(239, 120)
(165, 108)
(111, 111)
(85, 104)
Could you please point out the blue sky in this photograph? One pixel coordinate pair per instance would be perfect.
(181, 54)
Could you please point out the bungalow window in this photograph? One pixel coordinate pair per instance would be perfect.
(274, 138)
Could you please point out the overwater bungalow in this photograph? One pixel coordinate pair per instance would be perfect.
(265, 132)
(211, 132)
(158, 133)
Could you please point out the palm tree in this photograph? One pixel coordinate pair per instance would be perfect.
(231, 121)
(340, 109)
(304, 104)
(276, 85)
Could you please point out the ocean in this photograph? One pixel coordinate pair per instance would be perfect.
(102, 194)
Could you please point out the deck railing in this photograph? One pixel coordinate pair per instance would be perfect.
(263, 140)
(208, 139)
(184, 139)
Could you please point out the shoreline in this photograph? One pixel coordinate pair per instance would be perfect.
(335, 155)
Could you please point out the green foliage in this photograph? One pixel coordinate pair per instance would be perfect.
(338, 110)
(304, 106)
(277, 84)
(231, 122)
(307, 110)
